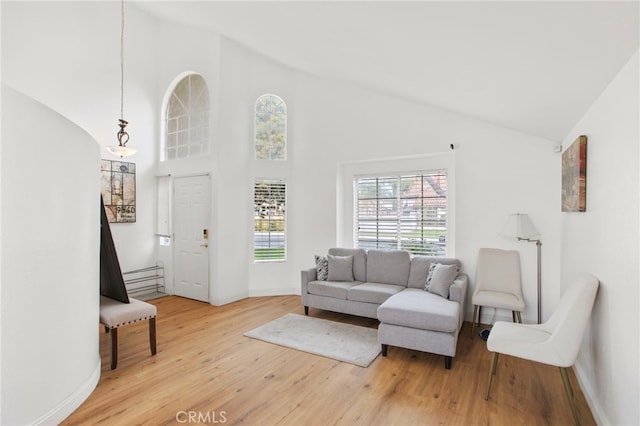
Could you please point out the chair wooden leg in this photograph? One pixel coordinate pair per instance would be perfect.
(476, 308)
(114, 347)
(152, 335)
(519, 316)
(447, 362)
(513, 316)
(492, 371)
(384, 349)
(570, 395)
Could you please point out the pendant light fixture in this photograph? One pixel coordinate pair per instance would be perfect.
(122, 150)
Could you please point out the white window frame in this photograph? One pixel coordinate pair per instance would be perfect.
(401, 165)
(191, 133)
(255, 130)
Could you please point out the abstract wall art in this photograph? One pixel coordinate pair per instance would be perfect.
(574, 176)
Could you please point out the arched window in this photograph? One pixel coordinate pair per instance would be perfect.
(271, 128)
(186, 119)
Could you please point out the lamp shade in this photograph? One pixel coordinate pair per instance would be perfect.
(121, 151)
(519, 226)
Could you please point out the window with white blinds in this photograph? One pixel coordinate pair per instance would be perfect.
(406, 212)
(269, 238)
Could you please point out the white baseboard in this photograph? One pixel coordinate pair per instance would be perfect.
(282, 291)
(589, 394)
(225, 300)
(63, 410)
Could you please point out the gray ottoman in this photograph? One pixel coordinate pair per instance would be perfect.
(419, 320)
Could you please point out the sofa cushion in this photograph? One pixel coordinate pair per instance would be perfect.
(359, 261)
(340, 268)
(373, 292)
(388, 266)
(420, 309)
(420, 268)
(418, 271)
(440, 278)
(337, 290)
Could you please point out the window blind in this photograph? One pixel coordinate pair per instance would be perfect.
(269, 220)
(402, 212)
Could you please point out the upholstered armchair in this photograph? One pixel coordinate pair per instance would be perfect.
(498, 283)
(555, 342)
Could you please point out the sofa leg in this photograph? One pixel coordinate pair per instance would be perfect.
(447, 362)
(306, 310)
(384, 349)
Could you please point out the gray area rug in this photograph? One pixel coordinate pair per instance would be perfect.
(344, 342)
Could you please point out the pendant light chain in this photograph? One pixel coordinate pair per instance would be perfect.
(122, 62)
(123, 137)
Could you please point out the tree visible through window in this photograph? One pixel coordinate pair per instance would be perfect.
(271, 128)
(269, 220)
(187, 119)
(402, 212)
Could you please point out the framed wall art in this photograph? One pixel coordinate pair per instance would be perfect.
(574, 176)
(118, 188)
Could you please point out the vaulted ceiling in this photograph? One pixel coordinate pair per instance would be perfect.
(535, 67)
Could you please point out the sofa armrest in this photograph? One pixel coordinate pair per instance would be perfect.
(306, 275)
(458, 293)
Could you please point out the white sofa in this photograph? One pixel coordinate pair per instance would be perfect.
(389, 285)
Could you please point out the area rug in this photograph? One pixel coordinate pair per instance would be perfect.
(343, 342)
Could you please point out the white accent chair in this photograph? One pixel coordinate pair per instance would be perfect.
(498, 283)
(555, 342)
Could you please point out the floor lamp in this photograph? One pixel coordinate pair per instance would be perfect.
(520, 226)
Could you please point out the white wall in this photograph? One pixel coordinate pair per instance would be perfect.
(269, 77)
(496, 172)
(604, 241)
(332, 125)
(50, 278)
(233, 254)
(66, 55)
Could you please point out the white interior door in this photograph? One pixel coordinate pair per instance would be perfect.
(191, 205)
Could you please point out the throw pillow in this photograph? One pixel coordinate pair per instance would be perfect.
(322, 268)
(427, 284)
(440, 278)
(340, 268)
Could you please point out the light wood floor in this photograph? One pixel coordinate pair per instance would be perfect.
(206, 366)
